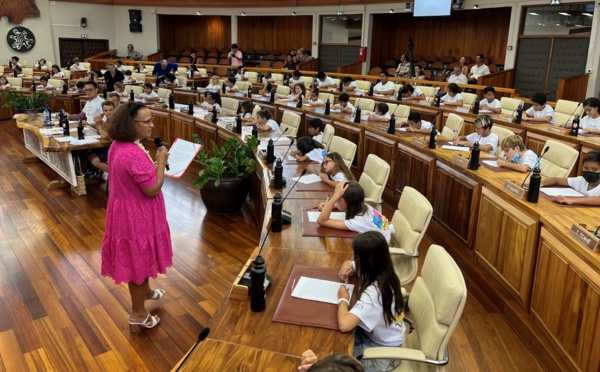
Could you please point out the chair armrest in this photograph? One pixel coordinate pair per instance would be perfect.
(371, 200)
(401, 353)
(402, 251)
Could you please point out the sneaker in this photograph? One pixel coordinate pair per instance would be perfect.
(105, 176)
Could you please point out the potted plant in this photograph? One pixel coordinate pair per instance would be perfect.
(224, 182)
(25, 104)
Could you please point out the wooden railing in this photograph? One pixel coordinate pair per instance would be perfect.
(312, 65)
(101, 55)
(504, 79)
(158, 56)
(353, 68)
(573, 88)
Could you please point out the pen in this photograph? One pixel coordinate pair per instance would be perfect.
(293, 285)
(327, 200)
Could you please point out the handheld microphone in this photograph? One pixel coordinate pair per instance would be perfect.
(201, 337)
(536, 165)
(570, 116)
(159, 146)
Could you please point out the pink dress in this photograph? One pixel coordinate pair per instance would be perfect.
(137, 240)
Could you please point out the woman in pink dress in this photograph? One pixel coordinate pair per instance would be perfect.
(137, 240)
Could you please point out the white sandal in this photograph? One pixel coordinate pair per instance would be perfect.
(157, 295)
(136, 327)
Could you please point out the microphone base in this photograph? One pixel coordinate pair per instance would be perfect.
(286, 218)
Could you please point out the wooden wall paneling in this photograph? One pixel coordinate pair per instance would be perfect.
(7, 112)
(162, 125)
(178, 31)
(465, 32)
(182, 126)
(206, 133)
(275, 32)
(414, 169)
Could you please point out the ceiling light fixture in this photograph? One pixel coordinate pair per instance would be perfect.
(391, 10)
(587, 14)
(476, 6)
(533, 13)
(243, 13)
(554, 2)
(564, 14)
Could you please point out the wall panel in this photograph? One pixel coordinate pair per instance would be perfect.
(465, 32)
(283, 32)
(178, 31)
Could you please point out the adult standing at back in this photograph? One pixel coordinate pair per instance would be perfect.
(480, 69)
(132, 53)
(137, 240)
(162, 68)
(235, 57)
(111, 76)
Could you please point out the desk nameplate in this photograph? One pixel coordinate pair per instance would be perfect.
(584, 237)
(419, 142)
(559, 129)
(460, 162)
(514, 189)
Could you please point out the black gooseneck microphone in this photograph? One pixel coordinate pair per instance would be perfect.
(570, 116)
(159, 146)
(201, 337)
(282, 133)
(536, 165)
(512, 114)
(289, 147)
(287, 216)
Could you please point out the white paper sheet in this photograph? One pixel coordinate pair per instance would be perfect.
(564, 191)
(319, 290)
(313, 215)
(491, 163)
(403, 129)
(308, 178)
(181, 155)
(456, 148)
(484, 111)
(87, 141)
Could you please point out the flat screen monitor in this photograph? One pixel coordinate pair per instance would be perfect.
(432, 8)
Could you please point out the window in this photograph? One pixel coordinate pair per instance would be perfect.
(558, 19)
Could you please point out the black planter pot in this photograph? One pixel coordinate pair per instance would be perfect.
(28, 111)
(228, 198)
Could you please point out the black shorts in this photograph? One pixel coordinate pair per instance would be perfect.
(102, 154)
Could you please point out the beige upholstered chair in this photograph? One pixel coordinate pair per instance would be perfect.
(325, 96)
(392, 108)
(203, 72)
(255, 111)
(291, 122)
(182, 71)
(366, 105)
(150, 68)
(429, 92)
(67, 73)
(230, 105)
(163, 93)
(252, 75)
(410, 221)
(27, 71)
(363, 85)
(23, 63)
(282, 89)
(345, 148)
(1, 70)
(278, 78)
(453, 126)
(559, 160)
(137, 89)
(243, 85)
(307, 81)
(57, 83)
(140, 78)
(328, 133)
(509, 105)
(16, 83)
(374, 177)
(563, 111)
(437, 301)
(86, 65)
(468, 99)
(182, 80)
(337, 82)
(402, 112)
(502, 133)
(132, 68)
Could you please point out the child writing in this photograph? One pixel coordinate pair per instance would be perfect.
(516, 156)
(539, 112)
(129, 79)
(349, 197)
(487, 140)
(590, 123)
(308, 150)
(334, 170)
(214, 84)
(265, 91)
(213, 100)
(414, 123)
(314, 99)
(587, 184)
(381, 113)
(452, 96)
(315, 129)
(230, 86)
(247, 108)
(344, 105)
(379, 310)
(265, 121)
(119, 89)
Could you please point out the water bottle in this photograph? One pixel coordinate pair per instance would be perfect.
(195, 85)
(400, 94)
(171, 101)
(65, 125)
(357, 115)
(131, 96)
(276, 210)
(371, 88)
(474, 162)
(250, 91)
(327, 107)
(270, 152)
(432, 135)
(47, 119)
(438, 99)
(278, 182)
(519, 114)
(258, 274)
(213, 119)
(224, 88)
(80, 134)
(476, 106)
(575, 126)
(392, 126)
(64, 88)
(299, 104)
(33, 86)
(254, 131)
(238, 124)
(534, 186)
(272, 99)
(341, 87)
(105, 93)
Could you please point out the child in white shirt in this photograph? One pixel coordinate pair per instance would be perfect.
(452, 96)
(213, 100)
(381, 113)
(483, 135)
(148, 95)
(539, 112)
(314, 99)
(334, 170)
(590, 123)
(490, 102)
(516, 156)
(315, 129)
(414, 124)
(309, 150)
(588, 184)
(344, 104)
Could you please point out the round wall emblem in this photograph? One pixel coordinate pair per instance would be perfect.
(20, 39)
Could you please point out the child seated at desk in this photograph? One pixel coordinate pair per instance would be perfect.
(213, 100)
(44, 84)
(379, 311)
(539, 112)
(349, 197)
(381, 113)
(516, 156)
(247, 109)
(265, 91)
(452, 96)
(265, 121)
(230, 86)
(590, 123)
(298, 90)
(192, 71)
(588, 184)
(315, 129)
(148, 94)
(487, 140)
(214, 84)
(344, 104)
(141, 68)
(348, 84)
(334, 170)
(411, 93)
(57, 73)
(268, 78)
(241, 74)
(170, 79)
(4, 84)
(308, 150)
(41, 65)
(78, 88)
(128, 77)
(314, 99)
(414, 124)
(120, 89)
(490, 102)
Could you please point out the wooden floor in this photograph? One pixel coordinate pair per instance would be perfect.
(58, 313)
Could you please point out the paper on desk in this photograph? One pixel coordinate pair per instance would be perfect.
(313, 215)
(484, 111)
(309, 178)
(335, 111)
(564, 191)
(456, 148)
(491, 163)
(318, 290)
(181, 155)
(403, 129)
(87, 141)
(51, 131)
(65, 139)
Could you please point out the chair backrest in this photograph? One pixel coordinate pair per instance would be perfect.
(509, 105)
(150, 68)
(140, 78)
(252, 75)
(502, 133)
(328, 133)
(437, 301)
(130, 68)
(563, 110)
(86, 65)
(27, 71)
(255, 111)
(203, 72)
(291, 122)
(230, 105)
(410, 221)
(137, 89)
(57, 83)
(278, 78)
(15, 82)
(363, 85)
(374, 177)
(468, 99)
(559, 160)
(307, 81)
(366, 104)
(453, 126)
(1, 70)
(326, 96)
(282, 89)
(182, 71)
(243, 85)
(345, 148)
(391, 108)
(163, 93)
(402, 112)
(429, 92)
(182, 80)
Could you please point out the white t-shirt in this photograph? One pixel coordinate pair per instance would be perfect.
(77, 66)
(293, 81)
(327, 81)
(145, 95)
(128, 80)
(494, 104)
(492, 139)
(581, 185)
(247, 115)
(588, 122)
(315, 103)
(385, 116)
(43, 67)
(546, 111)
(238, 76)
(369, 310)
(122, 68)
(273, 124)
(447, 98)
(92, 108)
(233, 88)
(5, 86)
(458, 79)
(352, 84)
(59, 75)
(209, 107)
(189, 73)
(316, 155)
(215, 87)
(477, 71)
(348, 106)
(318, 137)
(426, 125)
(417, 92)
(339, 177)
(390, 85)
(529, 158)
(370, 221)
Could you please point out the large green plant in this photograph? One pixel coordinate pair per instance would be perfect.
(234, 159)
(16, 99)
